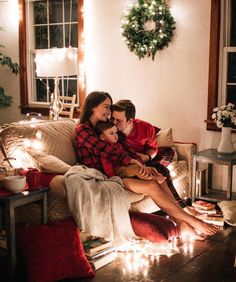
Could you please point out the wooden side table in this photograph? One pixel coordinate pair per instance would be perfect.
(211, 157)
(8, 205)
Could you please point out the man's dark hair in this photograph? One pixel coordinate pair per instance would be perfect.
(125, 106)
(101, 126)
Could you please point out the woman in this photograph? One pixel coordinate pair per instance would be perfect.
(89, 147)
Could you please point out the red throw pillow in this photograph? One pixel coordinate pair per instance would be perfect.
(153, 227)
(53, 251)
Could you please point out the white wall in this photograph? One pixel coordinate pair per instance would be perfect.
(170, 91)
(9, 16)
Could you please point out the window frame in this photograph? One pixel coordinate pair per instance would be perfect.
(213, 74)
(214, 61)
(24, 94)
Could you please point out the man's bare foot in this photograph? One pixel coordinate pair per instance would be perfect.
(187, 230)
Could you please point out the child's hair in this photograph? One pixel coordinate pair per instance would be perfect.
(101, 126)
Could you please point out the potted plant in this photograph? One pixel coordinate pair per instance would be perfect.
(5, 101)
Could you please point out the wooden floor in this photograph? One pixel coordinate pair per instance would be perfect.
(210, 260)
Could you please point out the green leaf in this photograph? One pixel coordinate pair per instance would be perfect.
(7, 61)
(5, 101)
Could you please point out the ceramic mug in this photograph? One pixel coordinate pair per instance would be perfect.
(33, 178)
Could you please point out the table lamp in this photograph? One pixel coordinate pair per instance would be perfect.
(55, 63)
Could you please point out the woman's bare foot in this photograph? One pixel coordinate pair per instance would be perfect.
(187, 230)
(203, 227)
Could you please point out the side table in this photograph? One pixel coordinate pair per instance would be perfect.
(8, 205)
(211, 157)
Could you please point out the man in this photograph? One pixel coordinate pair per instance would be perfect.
(141, 136)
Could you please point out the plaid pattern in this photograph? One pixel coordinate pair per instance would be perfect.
(90, 147)
(165, 172)
(165, 155)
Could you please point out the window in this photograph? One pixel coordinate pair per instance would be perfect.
(47, 24)
(222, 60)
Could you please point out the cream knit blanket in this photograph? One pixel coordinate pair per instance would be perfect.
(98, 204)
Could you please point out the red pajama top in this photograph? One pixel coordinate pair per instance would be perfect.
(90, 147)
(142, 137)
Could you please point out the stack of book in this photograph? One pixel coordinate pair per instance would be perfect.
(99, 252)
(208, 212)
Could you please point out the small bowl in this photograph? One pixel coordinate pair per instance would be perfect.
(15, 183)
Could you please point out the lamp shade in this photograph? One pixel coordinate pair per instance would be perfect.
(56, 62)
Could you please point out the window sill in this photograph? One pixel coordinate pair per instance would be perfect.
(44, 111)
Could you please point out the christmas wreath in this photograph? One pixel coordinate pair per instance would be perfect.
(147, 26)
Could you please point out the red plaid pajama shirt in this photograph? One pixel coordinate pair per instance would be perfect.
(90, 147)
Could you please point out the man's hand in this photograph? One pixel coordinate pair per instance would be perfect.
(145, 158)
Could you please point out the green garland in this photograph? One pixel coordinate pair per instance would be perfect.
(147, 27)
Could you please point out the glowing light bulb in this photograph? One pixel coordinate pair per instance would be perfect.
(39, 134)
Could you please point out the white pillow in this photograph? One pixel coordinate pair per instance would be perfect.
(165, 138)
(228, 209)
(49, 162)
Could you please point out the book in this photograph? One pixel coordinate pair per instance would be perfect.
(100, 253)
(216, 220)
(203, 205)
(95, 245)
(102, 261)
(212, 211)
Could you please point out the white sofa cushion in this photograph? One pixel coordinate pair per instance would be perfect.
(49, 137)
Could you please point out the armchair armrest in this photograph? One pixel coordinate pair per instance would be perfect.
(185, 151)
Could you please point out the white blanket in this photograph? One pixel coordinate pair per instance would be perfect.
(98, 204)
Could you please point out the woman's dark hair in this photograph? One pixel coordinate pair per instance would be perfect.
(125, 106)
(101, 126)
(93, 100)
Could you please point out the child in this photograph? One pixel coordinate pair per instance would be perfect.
(108, 133)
